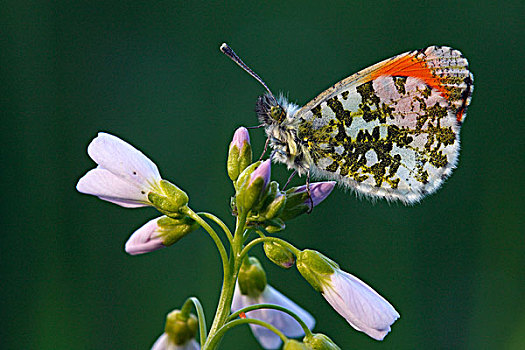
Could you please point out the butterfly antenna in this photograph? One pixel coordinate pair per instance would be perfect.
(231, 54)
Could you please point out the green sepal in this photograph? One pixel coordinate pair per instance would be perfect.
(249, 194)
(292, 344)
(181, 328)
(232, 164)
(245, 175)
(279, 255)
(172, 230)
(274, 226)
(320, 341)
(295, 204)
(252, 278)
(238, 160)
(315, 268)
(267, 197)
(171, 200)
(245, 157)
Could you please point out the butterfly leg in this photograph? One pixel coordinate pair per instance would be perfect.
(309, 193)
(265, 148)
(289, 179)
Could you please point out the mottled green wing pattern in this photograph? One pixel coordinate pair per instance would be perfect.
(392, 130)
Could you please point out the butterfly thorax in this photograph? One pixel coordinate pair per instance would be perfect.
(280, 122)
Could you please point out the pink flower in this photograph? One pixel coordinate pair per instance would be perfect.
(281, 320)
(240, 138)
(263, 172)
(361, 306)
(164, 343)
(146, 239)
(124, 175)
(318, 191)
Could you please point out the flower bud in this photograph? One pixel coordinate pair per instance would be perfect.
(320, 341)
(239, 153)
(274, 225)
(299, 202)
(254, 186)
(171, 200)
(181, 328)
(159, 233)
(293, 344)
(315, 268)
(279, 255)
(252, 278)
(361, 306)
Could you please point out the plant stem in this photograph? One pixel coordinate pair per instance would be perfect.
(305, 328)
(213, 235)
(228, 286)
(214, 340)
(220, 223)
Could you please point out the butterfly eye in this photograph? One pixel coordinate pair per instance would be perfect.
(277, 113)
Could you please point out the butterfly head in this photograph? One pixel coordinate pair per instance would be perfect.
(268, 110)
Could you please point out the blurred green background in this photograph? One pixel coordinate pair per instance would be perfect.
(152, 73)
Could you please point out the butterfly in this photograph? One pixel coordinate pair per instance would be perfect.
(389, 131)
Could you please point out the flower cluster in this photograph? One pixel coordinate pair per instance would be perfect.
(125, 176)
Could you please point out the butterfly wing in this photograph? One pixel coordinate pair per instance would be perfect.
(391, 130)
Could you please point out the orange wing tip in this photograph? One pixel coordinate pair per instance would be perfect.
(440, 67)
(412, 65)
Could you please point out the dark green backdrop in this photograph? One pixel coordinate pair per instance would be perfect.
(152, 73)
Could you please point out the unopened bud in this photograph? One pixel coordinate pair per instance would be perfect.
(274, 225)
(239, 153)
(298, 201)
(253, 188)
(315, 268)
(252, 278)
(181, 328)
(320, 341)
(159, 233)
(279, 255)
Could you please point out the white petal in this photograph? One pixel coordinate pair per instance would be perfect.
(282, 321)
(163, 343)
(362, 307)
(109, 187)
(123, 160)
(145, 239)
(191, 345)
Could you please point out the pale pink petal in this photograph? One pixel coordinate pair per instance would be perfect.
(263, 171)
(282, 321)
(240, 138)
(320, 190)
(123, 160)
(146, 239)
(163, 343)
(109, 187)
(361, 306)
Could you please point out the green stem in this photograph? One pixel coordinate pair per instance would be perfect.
(213, 235)
(200, 315)
(228, 285)
(214, 340)
(220, 223)
(275, 307)
(256, 241)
